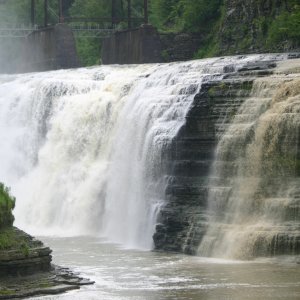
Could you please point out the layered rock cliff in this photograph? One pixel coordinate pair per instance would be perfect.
(186, 216)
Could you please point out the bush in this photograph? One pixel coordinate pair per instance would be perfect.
(7, 204)
(189, 15)
(286, 27)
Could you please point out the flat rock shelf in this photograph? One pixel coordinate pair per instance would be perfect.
(26, 269)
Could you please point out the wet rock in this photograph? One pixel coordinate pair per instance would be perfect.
(183, 220)
(26, 269)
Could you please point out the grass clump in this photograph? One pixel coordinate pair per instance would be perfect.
(9, 240)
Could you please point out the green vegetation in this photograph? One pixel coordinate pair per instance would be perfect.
(6, 292)
(273, 28)
(7, 234)
(185, 15)
(18, 12)
(7, 204)
(8, 239)
(251, 26)
(286, 26)
(89, 49)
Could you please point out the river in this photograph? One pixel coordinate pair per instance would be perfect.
(139, 275)
(86, 153)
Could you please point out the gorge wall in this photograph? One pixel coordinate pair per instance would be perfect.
(246, 27)
(200, 190)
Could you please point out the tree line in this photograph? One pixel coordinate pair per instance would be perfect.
(203, 17)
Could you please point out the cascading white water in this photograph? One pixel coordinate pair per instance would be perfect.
(83, 150)
(253, 198)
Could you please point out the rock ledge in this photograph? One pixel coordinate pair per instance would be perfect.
(26, 269)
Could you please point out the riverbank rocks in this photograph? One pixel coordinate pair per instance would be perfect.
(26, 269)
(21, 254)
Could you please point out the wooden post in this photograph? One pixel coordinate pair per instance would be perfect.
(32, 12)
(113, 13)
(61, 15)
(129, 13)
(45, 13)
(146, 11)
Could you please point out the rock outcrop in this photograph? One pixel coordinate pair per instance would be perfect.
(25, 263)
(22, 255)
(26, 269)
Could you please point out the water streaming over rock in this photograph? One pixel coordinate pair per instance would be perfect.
(254, 187)
(85, 151)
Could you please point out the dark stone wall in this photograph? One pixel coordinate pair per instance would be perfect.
(145, 45)
(134, 46)
(48, 49)
(180, 46)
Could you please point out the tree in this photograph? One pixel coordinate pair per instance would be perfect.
(7, 204)
(188, 15)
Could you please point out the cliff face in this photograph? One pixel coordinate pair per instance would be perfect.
(183, 220)
(192, 191)
(249, 26)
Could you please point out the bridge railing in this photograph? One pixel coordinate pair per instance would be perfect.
(105, 22)
(98, 27)
(81, 27)
(16, 30)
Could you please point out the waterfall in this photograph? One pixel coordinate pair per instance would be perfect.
(254, 184)
(85, 151)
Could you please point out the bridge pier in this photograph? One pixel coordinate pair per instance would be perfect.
(49, 48)
(132, 46)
